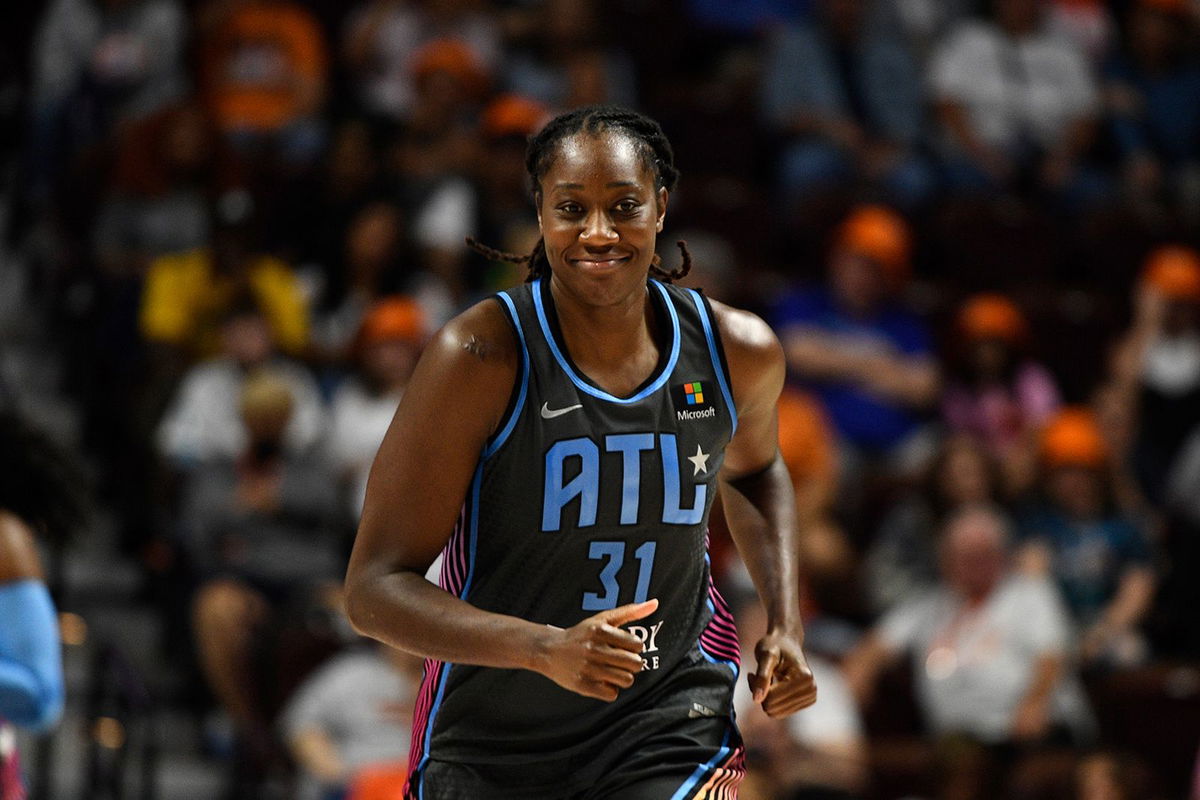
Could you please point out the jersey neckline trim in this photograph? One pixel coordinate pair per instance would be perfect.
(583, 385)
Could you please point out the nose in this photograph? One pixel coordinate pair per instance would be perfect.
(598, 230)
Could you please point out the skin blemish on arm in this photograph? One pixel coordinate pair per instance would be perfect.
(477, 347)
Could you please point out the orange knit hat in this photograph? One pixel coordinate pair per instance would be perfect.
(992, 316)
(1174, 270)
(880, 234)
(454, 57)
(391, 319)
(513, 115)
(1073, 439)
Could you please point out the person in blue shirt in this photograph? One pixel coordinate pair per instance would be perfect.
(1153, 91)
(39, 494)
(869, 360)
(1099, 558)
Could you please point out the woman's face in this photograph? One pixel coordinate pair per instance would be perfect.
(964, 479)
(1077, 491)
(600, 215)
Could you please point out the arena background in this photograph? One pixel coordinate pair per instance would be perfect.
(331, 157)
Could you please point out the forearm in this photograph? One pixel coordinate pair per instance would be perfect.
(316, 754)
(761, 513)
(1045, 676)
(1132, 601)
(404, 610)
(913, 383)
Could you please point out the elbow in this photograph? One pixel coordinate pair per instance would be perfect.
(358, 607)
(40, 713)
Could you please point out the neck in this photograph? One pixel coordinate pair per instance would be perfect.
(601, 336)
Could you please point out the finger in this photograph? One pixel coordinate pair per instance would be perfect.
(787, 702)
(619, 678)
(601, 691)
(618, 658)
(760, 681)
(628, 613)
(619, 638)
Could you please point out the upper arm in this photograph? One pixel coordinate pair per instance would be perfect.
(454, 402)
(756, 374)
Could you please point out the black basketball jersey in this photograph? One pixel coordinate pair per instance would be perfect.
(584, 501)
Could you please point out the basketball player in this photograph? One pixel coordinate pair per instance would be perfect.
(561, 445)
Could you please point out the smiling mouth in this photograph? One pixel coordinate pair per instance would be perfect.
(609, 262)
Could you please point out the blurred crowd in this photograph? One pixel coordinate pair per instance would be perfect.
(974, 226)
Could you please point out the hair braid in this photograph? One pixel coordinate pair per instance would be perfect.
(654, 149)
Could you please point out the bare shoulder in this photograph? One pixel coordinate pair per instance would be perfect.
(482, 336)
(752, 349)
(18, 550)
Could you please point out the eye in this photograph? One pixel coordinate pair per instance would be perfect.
(628, 206)
(570, 208)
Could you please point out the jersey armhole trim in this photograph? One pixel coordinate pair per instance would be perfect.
(516, 400)
(716, 352)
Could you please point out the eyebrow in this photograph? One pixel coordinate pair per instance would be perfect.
(610, 185)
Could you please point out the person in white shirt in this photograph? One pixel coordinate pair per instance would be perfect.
(389, 342)
(1014, 102)
(990, 650)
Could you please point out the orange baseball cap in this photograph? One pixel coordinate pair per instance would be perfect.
(513, 115)
(1174, 270)
(451, 56)
(1073, 439)
(880, 234)
(391, 319)
(992, 316)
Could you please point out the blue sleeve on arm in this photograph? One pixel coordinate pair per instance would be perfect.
(31, 679)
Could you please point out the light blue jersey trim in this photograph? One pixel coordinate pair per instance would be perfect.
(476, 484)
(511, 422)
(715, 356)
(684, 791)
(586, 387)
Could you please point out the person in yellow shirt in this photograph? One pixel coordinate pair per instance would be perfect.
(187, 294)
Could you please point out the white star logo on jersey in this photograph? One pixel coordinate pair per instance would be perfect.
(699, 461)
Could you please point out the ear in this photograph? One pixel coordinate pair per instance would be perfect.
(661, 200)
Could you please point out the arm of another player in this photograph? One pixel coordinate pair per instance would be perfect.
(31, 679)
(760, 507)
(421, 475)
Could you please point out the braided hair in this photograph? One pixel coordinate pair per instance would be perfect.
(653, 147)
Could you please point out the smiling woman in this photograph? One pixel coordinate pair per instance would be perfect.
(561, 446)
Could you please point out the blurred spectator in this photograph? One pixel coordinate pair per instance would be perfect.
(258, 530)
(371, 265)
(388, 345)
(847, 98)
(923, 22)
(203, 420)
(901, 561)
(264, 67)
(1088, 24)
(1152, 88)
(383, 37)
(350, 717)
(1099, 558)
(506, 218)
(161, 195)
(865, 357)
(41, 498)
(187, 293)
(98, 64)
(820, 754)
(1016, 104)
(991, 664)
(1157, 362)
(1110, 776)
(568, 61)
(994, 391)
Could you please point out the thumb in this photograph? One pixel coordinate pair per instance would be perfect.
(760, 681)
(628, 613)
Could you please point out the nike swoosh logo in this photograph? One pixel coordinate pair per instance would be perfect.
(549, 413)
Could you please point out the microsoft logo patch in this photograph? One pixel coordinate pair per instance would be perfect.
(692, 402)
